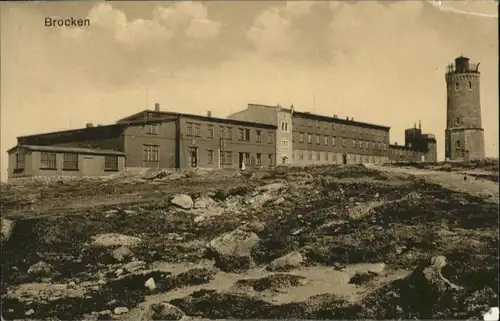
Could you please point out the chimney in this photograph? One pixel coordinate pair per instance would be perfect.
(209, 113)
(89, 125)
(157, 107)
(347, 118)
(335, 116)
(419, 125)
(352, 118)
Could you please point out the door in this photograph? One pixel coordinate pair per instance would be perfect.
(87, 166)
(283, 160)
(240, 160)
(344, 158)
(193, 156)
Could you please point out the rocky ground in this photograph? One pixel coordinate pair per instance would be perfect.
(336, 242)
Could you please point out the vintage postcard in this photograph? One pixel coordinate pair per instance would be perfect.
(188, 160)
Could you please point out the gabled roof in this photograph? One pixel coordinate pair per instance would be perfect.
(338, 120)
(60, 149)
(75, 131)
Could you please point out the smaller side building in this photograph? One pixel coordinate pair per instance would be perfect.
(418, 147)
(56, 161)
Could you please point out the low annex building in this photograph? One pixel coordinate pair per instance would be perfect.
(54, 161)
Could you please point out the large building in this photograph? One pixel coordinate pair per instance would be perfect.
(149, 139)
(310, 139)
(464, 135)
(259, 136)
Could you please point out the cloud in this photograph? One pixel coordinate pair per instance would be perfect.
(189, 18)
(270, 32)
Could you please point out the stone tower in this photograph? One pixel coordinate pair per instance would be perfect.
(464, 135)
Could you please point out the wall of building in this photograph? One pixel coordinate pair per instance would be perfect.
(138, 135)
(465, 144)
(28, 164)
(330, 137)
(205, 143)
(32, 167)
(284, 137)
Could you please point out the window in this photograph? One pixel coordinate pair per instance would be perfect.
(153, 129)
(270, 137)
(379, 146)
(360, 144)
(293, 138)
(259, 136)
(241, 134)
(458, 120)
(310, 156)
(301, 137)
(301, 155)
(229, 133)
(197, 130)
(458, 143)
(373, 145)
(470, 85)
(343, 128)
(367, 145)
(210, 156)
(309, 138)
(343, 142)
(284, 143)
(110, 163)
(309, 123)
(333, 126)
(189, 129)
(284, 126)
(456, 86)
(48, 161)
(317, 124)
(270, 159)
(259, 159)
(20, 160)
(326, 140)
(325, 126)
(317, 139)
(210, 131)
(326, 156)
(247, 135)
(222, 132)
(226, 158)
(151, 153)
(333, 141)
(318, 156)
(70, 161)
(354, 143)
(248, 160)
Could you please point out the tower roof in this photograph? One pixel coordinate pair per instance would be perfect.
(462, 58)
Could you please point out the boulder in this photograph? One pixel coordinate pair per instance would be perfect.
(134, 266)
(183, 201)
(150, 284)
(164, 311)
(204, 202)
(120, 310)
(121, 253)
(7, 229)
(115, 239)
(232, 251)
(41, 269)
(291, 260)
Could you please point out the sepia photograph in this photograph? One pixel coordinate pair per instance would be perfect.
(218, 160)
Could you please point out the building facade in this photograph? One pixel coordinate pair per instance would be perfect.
(310, 139)
(158, 139)
(418, 147)
(464, 135)
(54, 161)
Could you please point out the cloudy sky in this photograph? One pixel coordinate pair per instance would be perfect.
(376, 61)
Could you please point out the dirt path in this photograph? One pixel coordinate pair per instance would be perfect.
(452, 181)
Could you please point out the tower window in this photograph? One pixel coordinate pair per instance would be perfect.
(470, 85)
(458, 143)
(456, 85)
(458, 120)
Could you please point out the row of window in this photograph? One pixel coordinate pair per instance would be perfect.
(48, 160)
(457, 85)
(226, 158)
(403, 152)
(355, 143)
(226, 133)
(333, 127)
(324, 156)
